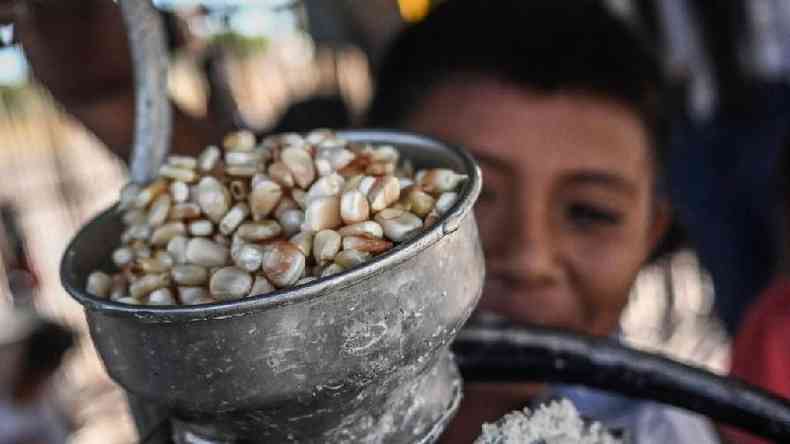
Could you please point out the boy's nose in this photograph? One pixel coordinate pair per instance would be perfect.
(532, 255)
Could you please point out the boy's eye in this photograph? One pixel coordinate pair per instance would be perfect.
(587, 216)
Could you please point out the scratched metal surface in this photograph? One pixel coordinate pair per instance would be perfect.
(342, 359)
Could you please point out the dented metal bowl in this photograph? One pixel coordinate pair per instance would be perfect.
(361, 356)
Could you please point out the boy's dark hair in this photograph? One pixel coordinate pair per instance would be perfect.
(543, 45)
(546, 46)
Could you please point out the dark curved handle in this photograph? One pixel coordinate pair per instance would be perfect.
(152, 115)
(539, 354)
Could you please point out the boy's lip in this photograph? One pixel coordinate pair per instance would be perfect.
(512, 298)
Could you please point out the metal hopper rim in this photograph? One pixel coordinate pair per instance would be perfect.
(74, 283)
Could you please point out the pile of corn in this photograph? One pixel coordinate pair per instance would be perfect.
(264, 216)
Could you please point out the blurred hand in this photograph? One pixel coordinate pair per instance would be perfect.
(78, 49)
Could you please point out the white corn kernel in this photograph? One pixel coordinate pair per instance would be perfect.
(304, 242)
(133, 216)
(279, 173)
(99, 284)
(367, 228)
(208, 158)
(440, 180)
(122, 257)
(179, 191)
(165, 258)
(258, 178)
(201, 227)
(366, 184)
(286, 203)
(160, 208)
(213, 198)
(162, 235)
(299, 197)
(398, 224)
(445, 202)
(177, 247)
(149, 193)
(248, 257)
(329, 160)
(233, 218)
(283, 263)
(177, 173)
(187, 162)
(139, 232)
(148, 283)
(326, 244)
(322, 213)
(351, 258)
(161, 296)
(140, 250)
(300, 164)
(352, 183)
(236, 243)
(384, 192)
(154, 265)
(318, 135)
(259, 231)
(330, 185)
(188, 210)
(242, 140)
(229, 283)
(241, 170)
(194, 295)
(264, 198)
(189, 275)
(323, 166)
(420, 202)
(367, 244)
(291, 139)
(242, 158)
(204, 252)
(354, 207)
(291, 221)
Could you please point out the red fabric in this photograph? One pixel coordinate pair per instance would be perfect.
(761, 350)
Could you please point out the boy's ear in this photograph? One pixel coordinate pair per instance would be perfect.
(660, 227)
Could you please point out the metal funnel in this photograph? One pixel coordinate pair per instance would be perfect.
(356, 357)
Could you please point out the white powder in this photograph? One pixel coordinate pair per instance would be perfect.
(556, 423)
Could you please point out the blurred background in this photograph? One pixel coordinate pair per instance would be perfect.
(271, 64)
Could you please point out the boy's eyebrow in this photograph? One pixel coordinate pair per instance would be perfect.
(601, 178)
(493, 162)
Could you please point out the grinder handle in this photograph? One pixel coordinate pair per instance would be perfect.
(153, 117)
(541, 354)
(152, 127)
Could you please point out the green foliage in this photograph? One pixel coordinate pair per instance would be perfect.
(240, 45)
(14, 97)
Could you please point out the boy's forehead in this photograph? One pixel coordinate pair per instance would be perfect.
(502, 121)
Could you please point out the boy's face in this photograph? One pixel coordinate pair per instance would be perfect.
(567, 214)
